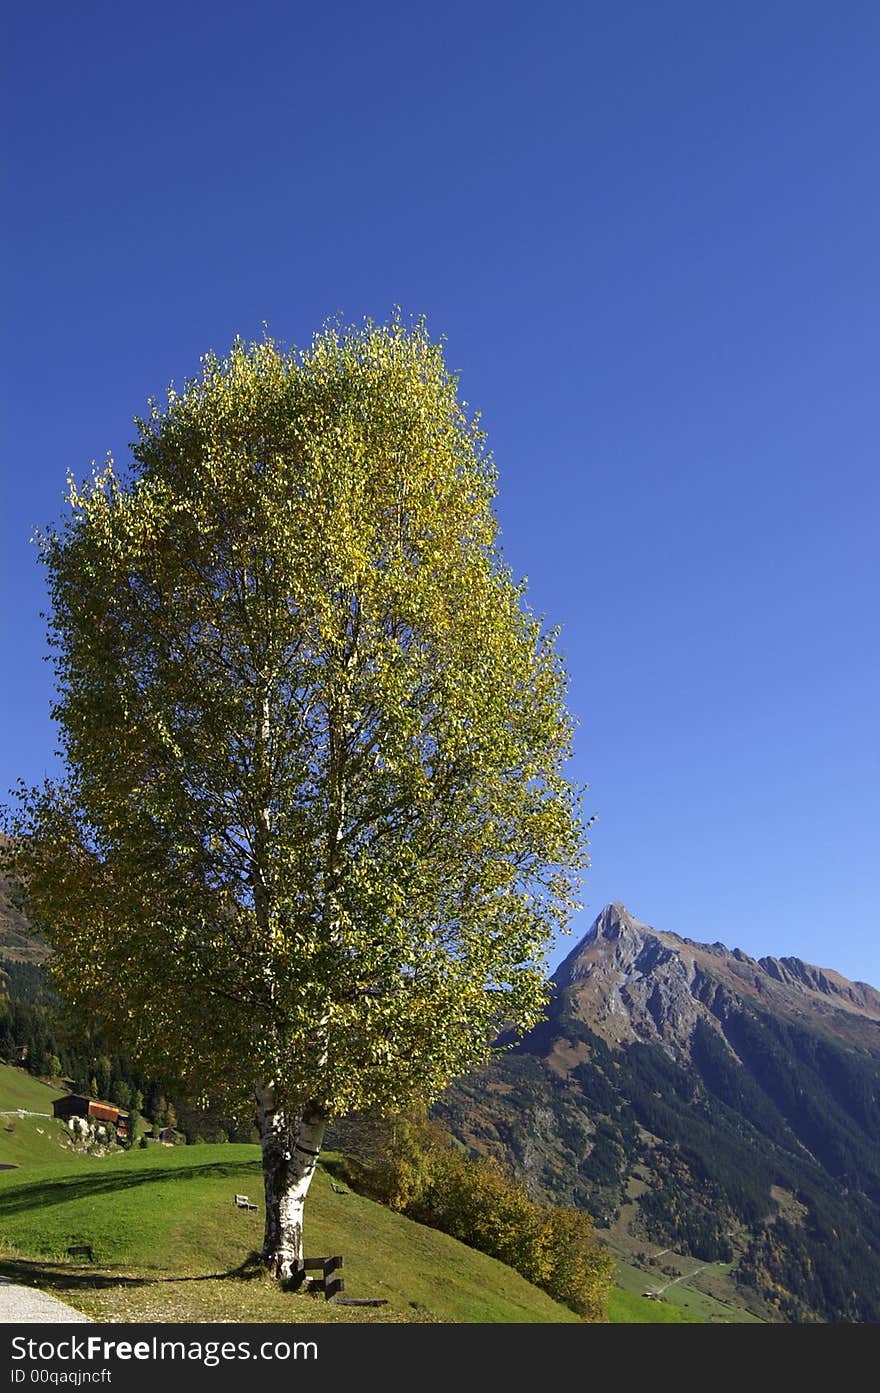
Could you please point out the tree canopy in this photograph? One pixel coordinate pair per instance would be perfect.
(315, 826)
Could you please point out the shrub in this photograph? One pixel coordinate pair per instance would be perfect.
(413, 1166)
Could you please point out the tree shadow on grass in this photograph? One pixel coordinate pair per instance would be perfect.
(57, 1276)
(20, 1198)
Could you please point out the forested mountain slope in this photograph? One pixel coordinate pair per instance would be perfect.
(695, 1097)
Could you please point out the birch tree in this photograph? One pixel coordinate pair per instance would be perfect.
(315, 832)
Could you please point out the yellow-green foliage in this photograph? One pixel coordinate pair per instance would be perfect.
(411, 1165)
(581, 1270)
(316, 826)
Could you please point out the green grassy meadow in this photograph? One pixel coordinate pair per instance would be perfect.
(30, 1141)
(170, 1245)
(35, 1141)
(630, 1308)
(18, 1089)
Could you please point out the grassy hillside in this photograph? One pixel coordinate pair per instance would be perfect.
(35, 1141)
(684, 1298)
(30, 1141)
(170, 1245)
(629, 1308)
(19, 1089)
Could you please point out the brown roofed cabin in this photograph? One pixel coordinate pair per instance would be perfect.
(78, 1105)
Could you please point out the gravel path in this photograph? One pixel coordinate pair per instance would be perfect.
(23, 1305)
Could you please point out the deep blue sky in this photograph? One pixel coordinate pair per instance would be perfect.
(651, 236)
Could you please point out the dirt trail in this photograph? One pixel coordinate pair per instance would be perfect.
(27, 1305)
(685, 1277)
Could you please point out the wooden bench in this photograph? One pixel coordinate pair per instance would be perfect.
(82, 1250)
(330, 1285)
(242, 1202)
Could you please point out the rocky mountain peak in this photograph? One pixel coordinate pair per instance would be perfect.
(615, 921)
(614, 925)
(630, 982)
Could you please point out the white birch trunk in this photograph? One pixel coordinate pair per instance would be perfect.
(290, 1155)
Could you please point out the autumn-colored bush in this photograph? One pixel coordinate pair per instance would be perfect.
(411, 1165)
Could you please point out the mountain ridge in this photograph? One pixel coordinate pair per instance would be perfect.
(699, 1100)
(620, 958)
